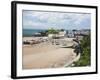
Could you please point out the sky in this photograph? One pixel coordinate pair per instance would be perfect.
(56, 20)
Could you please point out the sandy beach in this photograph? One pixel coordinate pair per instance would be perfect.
(46, 55)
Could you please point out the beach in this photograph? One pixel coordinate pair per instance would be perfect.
(46, 55)
(53, 39)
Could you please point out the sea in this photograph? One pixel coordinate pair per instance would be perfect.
(31, 32)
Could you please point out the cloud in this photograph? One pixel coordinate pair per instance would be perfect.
(45, 20)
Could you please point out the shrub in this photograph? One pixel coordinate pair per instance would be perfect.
(52, 31)
(85, 59)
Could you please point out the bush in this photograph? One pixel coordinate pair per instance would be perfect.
(52, 31)
(85, 59)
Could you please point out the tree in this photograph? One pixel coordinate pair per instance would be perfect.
(62, 30)
(52, 31)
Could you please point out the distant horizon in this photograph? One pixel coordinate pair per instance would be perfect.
(56, 29)
(56, 20)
